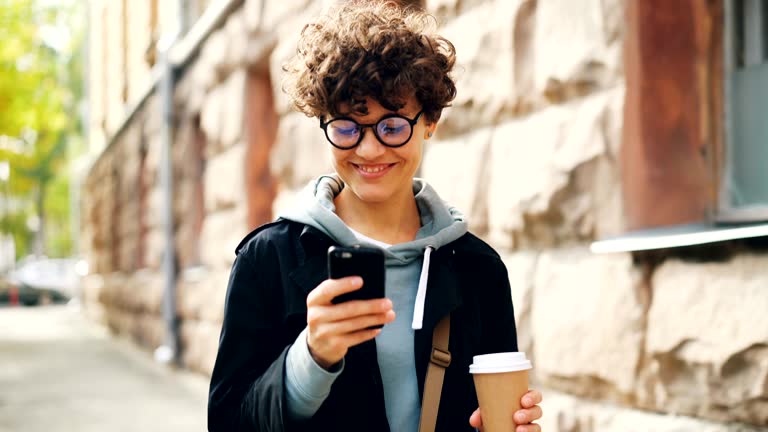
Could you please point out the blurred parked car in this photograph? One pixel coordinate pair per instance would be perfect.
(40, 280)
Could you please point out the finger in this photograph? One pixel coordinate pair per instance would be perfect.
(531, 398)
(525, 416)
(475, 420)
(351, 325)
(365, 321)
(331, 288)
(347, 310)
(528, 428)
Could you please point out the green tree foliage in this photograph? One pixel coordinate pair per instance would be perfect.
(40, 91)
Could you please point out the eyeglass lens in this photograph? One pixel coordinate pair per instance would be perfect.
(392, 131)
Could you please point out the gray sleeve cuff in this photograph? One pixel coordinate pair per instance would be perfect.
(307, 383)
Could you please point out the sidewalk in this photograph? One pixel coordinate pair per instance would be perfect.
(60, 373)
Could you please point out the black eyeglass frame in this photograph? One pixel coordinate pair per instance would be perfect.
(411, 122)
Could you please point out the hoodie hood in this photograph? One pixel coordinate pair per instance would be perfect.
(440, 223)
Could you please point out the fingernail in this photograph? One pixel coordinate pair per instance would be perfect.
(527, 401)
(357, 280)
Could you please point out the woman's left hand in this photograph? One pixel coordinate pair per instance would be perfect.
(524, 417)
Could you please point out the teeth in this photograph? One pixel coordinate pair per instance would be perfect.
(373, 169)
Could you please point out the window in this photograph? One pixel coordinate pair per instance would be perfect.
(744, 193)
(695, 145)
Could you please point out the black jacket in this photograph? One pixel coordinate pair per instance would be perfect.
(276, 267)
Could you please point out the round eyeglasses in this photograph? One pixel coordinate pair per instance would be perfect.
(393, 130)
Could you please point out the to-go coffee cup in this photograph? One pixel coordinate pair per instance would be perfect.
(501, 380)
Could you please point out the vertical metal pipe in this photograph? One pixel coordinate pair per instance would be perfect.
(170, 353)
(183, 6)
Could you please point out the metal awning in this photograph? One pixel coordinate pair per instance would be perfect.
(678, 236)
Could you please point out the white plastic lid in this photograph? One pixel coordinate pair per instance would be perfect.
(500, 362)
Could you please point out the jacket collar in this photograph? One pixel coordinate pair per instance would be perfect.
(311, 246)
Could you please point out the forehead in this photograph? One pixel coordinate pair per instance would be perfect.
(370, 108)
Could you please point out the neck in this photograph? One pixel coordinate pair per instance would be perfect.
(393, 221)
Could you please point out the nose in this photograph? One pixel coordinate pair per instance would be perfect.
(369, 148)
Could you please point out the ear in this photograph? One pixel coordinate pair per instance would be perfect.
(430, 130)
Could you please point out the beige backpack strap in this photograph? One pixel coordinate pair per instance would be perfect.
(433, 383)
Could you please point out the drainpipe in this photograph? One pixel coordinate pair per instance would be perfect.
(183, 6)
(169, 351)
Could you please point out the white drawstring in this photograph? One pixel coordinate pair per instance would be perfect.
(421, 294)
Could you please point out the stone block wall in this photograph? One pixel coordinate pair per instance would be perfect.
(529, 151)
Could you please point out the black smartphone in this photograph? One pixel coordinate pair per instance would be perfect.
(366, 262)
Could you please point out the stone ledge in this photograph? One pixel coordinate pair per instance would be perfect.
(566, 413)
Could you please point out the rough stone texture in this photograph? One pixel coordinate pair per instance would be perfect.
(139, 292)
(224, 179)
(222, 231)
(253, 13)
(152, 159)
(200, 341)
(534, 200)
(155, 245)
(587, 322)
(517, 56)
(445, 9)
(284, 200)
(214, 55)
(233, 109)
(301, 152)
(201, 307)
(237, 39)
(565, 413)
(277, 16)
(521, 267)
(286, 23)
(202, 293)
(463, 188)
(222, 114)
(707, 343)
(491, 43)
(577, 46)
(212, 118)
(154, 212)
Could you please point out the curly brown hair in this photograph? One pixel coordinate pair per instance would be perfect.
(371, 49)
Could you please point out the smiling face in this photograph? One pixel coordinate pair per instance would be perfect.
(377, 174)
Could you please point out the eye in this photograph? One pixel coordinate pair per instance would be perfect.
(344, 128)
(393, 126)
(345, 131)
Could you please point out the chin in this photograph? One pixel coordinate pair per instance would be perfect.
(372, 195)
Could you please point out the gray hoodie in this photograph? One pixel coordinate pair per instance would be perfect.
(407, 272)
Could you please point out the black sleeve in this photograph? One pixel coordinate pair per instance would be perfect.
(499, 322)
(247, 390)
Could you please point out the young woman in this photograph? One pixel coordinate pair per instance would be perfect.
(377, 79)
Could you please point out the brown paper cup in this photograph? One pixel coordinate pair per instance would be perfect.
(500, 383)
(499, 396)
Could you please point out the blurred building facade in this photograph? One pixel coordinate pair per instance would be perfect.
(576, 120)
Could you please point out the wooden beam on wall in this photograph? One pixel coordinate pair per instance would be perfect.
(672, 110)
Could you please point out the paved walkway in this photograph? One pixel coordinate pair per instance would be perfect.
(60, 373)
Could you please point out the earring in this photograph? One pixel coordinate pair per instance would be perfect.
(429, 134)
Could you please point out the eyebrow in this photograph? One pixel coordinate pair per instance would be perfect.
(389, 114)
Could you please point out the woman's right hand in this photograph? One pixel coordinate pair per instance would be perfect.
(333, 328)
